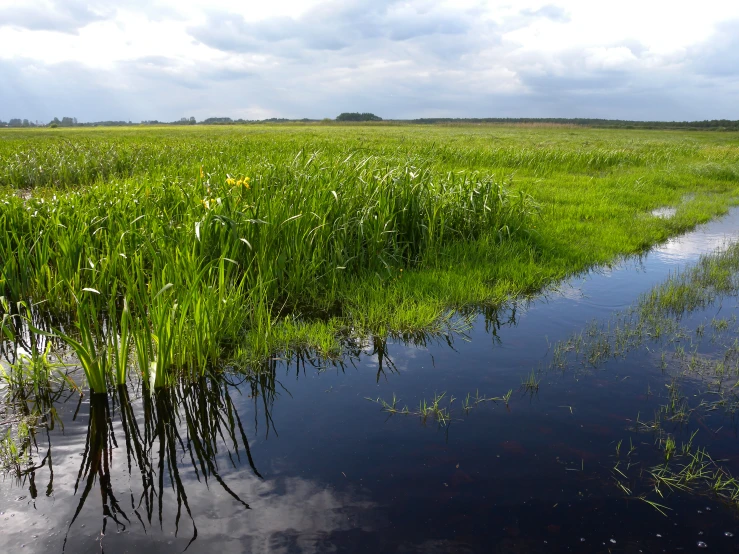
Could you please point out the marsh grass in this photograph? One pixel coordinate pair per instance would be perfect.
(27, 411)
(14, 449)
(207, 247)
(204, 264)
(437, 408)
(686, 470)
(530, 383)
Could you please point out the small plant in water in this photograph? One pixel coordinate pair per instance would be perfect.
(668, 445)
(434, 408)
(531, 382)
(14, 448)
(507, 397)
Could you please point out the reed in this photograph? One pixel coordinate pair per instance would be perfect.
(90, 350)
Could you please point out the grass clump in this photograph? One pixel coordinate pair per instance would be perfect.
(202, 263)
(436, 408)
(14, 445)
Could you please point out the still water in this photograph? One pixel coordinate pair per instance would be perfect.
(301, 459)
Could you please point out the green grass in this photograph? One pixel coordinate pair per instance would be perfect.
(338, 231)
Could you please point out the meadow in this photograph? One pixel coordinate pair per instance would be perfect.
(174, 253)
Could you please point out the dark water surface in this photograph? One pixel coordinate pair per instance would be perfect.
(301, 461)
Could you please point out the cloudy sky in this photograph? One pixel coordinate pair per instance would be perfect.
(166, 59)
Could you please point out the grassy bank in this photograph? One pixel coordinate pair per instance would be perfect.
(189, 248)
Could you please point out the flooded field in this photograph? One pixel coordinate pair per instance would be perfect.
(534, 428)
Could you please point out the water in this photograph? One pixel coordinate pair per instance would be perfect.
(301, 461)
(664, 213)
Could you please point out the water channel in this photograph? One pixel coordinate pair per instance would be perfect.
(302, 459)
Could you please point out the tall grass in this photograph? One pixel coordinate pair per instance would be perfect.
(175, 251)
(65, 159)
(197, 264)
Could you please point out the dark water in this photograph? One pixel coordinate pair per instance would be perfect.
(300, 461)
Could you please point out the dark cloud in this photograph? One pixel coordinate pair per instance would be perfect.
(160, 88)
(397, 59)
(66, 16)
(607, 95)
(334, 26)
(547, 84)
(128, 92)
(718, 57)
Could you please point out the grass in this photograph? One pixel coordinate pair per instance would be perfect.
(689, 470)
(179, 251)
(435, 408)
(14, 449)
(530, 383)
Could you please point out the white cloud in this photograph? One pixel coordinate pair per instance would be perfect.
(166, 59)
(619, 57)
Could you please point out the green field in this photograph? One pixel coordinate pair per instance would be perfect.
(193, 249)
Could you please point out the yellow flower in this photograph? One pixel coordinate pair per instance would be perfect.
(239, 183)
(201, 172)
(230, 181)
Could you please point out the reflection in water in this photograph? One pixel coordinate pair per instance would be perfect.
(163, 457)
(34, 409)
(96, 462)
(173, 437)
(353, 348)
(187, 425)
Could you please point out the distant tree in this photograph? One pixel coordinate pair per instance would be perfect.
(218, 121)
(354, 116)
(68, 121)
(15, 123)
(192, 121)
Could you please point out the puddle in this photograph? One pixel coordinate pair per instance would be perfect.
(299, 460)
(664, 213)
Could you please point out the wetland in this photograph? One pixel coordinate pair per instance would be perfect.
(369, 339)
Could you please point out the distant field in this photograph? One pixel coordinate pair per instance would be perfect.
(233, 243)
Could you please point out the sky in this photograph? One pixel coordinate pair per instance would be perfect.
(166, 59)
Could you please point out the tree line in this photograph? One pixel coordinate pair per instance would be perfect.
(356, 117)
(712, 124)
